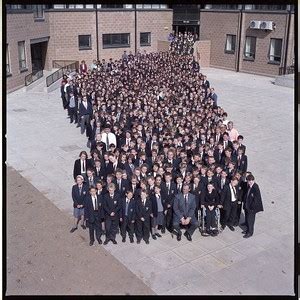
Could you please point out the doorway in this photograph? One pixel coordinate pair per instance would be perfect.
(38, 56)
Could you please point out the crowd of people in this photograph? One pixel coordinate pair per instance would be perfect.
(182, 43)
(163, 155)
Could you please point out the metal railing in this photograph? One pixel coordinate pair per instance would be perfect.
(287, 70)
(59, 73)
(61, 63)
(32, 77)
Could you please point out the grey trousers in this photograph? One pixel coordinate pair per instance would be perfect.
(85, 120)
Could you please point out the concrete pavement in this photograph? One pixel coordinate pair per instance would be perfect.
(42, 146)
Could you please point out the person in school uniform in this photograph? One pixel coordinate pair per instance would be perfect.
(128, 216)
(112, 207)
(157, 211)
(93, 215)
(79, 192)
(143, 215)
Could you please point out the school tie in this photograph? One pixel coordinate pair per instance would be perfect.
(95, 201)
(83, 166)
(185, 202)
(80, 190)
(107, 141)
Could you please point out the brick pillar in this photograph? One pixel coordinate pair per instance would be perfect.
(202, 53)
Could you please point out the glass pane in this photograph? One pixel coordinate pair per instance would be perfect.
(106, 39)
(79, 6)
(139, 6)
(128, 6)
(89, 6)
(85, 41)
(277, 47)
(147, 6)
(228, 42)
(155, 6)
(125, 39)
(248, 6)
(233, 42)
(71, 6)
(163, 6)
(252, 46)
(116, 39)
(21, 48)
(59, 6)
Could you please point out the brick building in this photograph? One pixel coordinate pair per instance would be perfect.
(255, 39)
(39, 35)
(230, 36)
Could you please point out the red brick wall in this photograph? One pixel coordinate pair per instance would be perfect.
(22, 27)
(202, 52)
(260, 65)
(214, 26)
(65, 26)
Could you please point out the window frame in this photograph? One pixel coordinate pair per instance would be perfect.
(244, 52)
(145, 44)
(116, 45)
(37, 9)
(85, 47)
(230, 51)
(275, 62)
(8, 64)
(22, 68)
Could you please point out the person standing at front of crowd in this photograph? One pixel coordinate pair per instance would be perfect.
(128, 216)
(112, 207)
(85, 113)
(93, 215)
(143, 214)
(252, 205)
(79, 192)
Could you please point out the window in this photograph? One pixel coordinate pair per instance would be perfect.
(275, 50)
(85, 42)
(265, 7)
(230, 43)
(250, 46)
(22, 55)
(78, 6)
(112, 6)
(145, 38)
(59, 6)
(116, 40)
(89, 6)
(38, 11)
(7, 61)
(151, 6)
(128, 6)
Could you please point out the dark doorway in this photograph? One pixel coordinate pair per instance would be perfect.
(38, 56)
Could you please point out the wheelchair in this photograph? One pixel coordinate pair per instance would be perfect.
(202, 224)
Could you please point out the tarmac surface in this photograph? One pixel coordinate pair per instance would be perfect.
(43, 258)
(42, 146)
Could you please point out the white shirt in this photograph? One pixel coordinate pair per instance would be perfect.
(85, 104)
(233, 197)
(81, 164)
(111, 138)
(94, 198)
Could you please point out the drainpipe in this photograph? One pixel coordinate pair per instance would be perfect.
(287, 42)
(239, 43)
(97, 34)
(135, 30)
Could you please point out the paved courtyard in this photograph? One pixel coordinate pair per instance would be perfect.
(42, 146)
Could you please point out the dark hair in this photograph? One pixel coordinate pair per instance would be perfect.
(83, 152)
(250, 177)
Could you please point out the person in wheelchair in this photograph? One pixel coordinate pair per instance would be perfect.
(184, 213)
(210, 201)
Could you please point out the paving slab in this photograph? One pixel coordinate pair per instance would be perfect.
(44, 147)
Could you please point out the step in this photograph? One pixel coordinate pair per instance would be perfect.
(285, 80)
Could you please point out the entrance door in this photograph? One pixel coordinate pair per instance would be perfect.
(38, 56)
